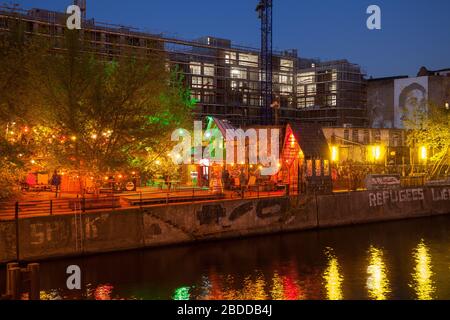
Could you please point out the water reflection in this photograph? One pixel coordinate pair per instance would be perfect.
(288, 267)
(286, 287)
(377, 281)
(423, 283)
(332, 276)
(283, 285)
(182, 293)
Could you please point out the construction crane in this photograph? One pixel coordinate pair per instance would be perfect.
(82, 5)
(264, 10)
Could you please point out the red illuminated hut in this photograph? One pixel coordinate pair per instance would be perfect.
(306, 159)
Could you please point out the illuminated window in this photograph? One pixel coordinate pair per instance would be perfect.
(195, 68)
(306, 78)
(208, 70)
(301, 103)
(332, 87)
(301, 90)
(208, 83)
(286, 65)
(331, 100)
(285, 89)
(309, 168)
(318, 167)
(311, 89)
(249, 60)
(334, 75)
(310, 102)
(238, 73)
(197, 82)
(326, 168)
(230, 57)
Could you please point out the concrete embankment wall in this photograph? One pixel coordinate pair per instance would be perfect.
(69, 235)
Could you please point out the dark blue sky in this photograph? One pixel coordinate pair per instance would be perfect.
(414, 32)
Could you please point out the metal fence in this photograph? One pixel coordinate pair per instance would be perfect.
(81, 204)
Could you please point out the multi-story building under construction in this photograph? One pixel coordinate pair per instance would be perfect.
(223, 77)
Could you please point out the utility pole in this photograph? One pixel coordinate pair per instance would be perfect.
(264, 10)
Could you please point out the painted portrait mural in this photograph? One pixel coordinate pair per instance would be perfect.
(411, 95)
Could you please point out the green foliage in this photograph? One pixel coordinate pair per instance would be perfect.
(88, 114)
(431, 128)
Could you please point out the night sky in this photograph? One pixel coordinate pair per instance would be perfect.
(414, 32)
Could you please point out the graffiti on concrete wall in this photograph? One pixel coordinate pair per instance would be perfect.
(211, 214)
(241, 211)
(440, 194)
(265, 208)
(270, 208)
(381, 198)
(50, 233)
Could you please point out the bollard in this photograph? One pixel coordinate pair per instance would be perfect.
(15, 279)
(33, 269)
(9, 280)
(16, 218)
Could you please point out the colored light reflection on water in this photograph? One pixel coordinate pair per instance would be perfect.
(380, 261)
(377, 281)
(333, 277)
(423, 284)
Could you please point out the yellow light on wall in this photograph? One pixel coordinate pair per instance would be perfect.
(334, 153)
(423, 153)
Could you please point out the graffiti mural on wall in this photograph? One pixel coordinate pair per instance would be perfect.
(270, 208)
(211, 214)
(241, 211)
(440, 195)
(49, 233)
(266, 208)
(381, 198)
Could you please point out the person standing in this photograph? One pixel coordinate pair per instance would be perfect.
(56, 182)
(242, 182)
(226, 179)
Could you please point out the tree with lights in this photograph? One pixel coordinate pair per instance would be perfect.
(17, 66)
(109, 116)
(430, 136)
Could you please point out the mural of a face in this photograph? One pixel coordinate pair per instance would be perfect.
(411, 103)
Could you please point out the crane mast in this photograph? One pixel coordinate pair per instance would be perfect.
(264, 10)
(82, 5)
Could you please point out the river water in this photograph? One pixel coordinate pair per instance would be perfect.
(395, 260)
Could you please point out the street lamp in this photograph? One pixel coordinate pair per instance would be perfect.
(447, 106)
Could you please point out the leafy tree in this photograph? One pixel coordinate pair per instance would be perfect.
(431, 128)
(17, 65)
(109, 115)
